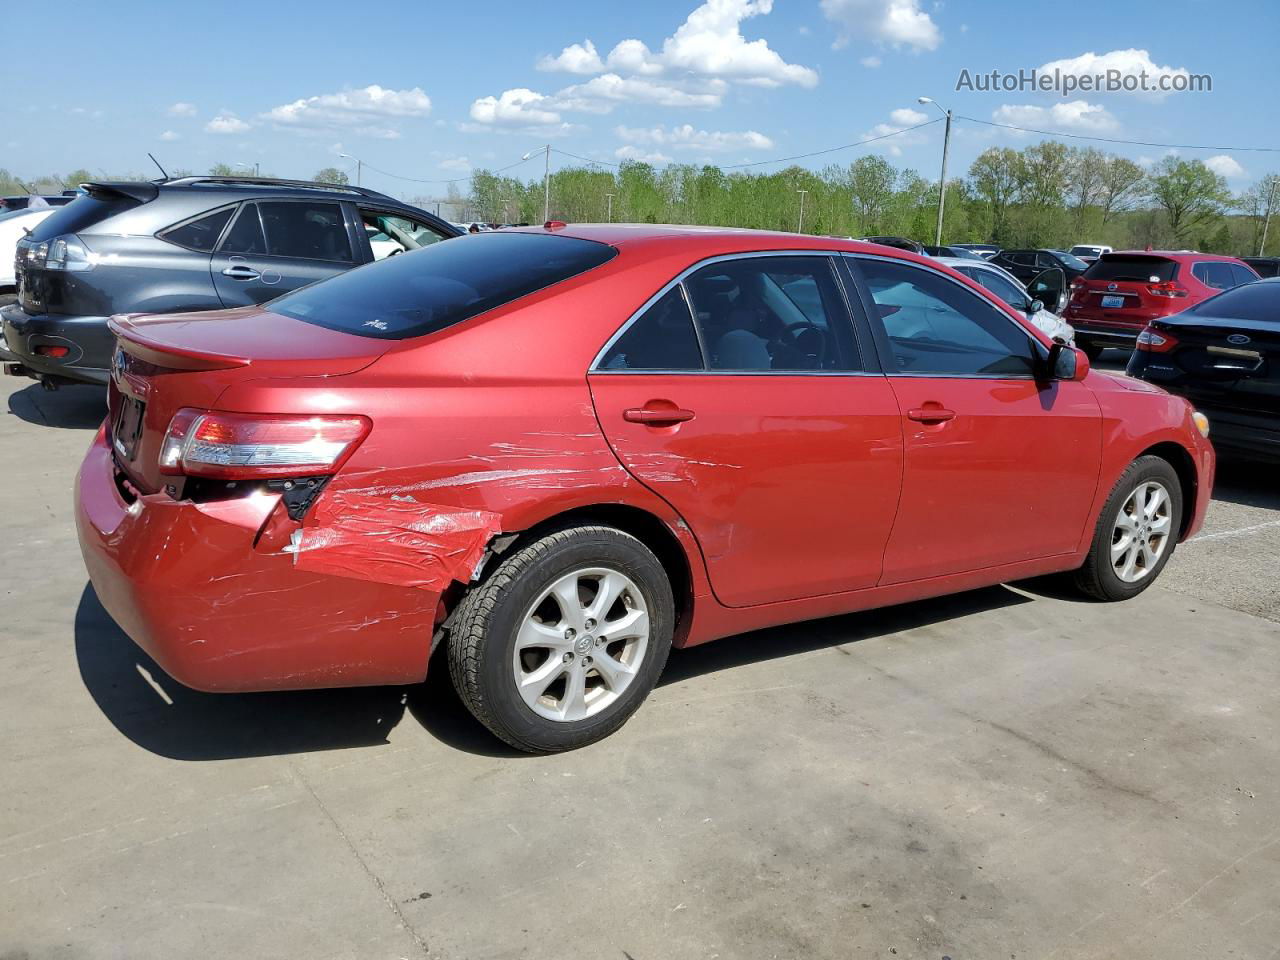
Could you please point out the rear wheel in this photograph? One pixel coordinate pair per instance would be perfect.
(561, 644)
(1136, 532)
(1091, 350)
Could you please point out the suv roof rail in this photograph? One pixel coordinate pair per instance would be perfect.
(274, 182)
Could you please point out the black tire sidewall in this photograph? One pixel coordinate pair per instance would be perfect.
(1142, 470)
(589, 548)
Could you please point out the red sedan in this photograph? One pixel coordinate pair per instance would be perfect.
(557, 453)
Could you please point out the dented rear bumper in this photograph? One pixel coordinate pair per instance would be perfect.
(220, 607)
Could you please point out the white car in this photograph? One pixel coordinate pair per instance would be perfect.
(13, 227)
(1089, 252)
(1047, 290)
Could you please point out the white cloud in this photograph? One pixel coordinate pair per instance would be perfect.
(899, 23)
(575, 58)
(370, 111)
(226, 122)
(458, 164)
(599, 94)
(687, 137)
(170, 136)
(518, 109)
(1225, 165)
(181, 109)
(871, 62)
(1129, 63)
(631, 152)
(899, 120)
(1074, 115)
(708, 44)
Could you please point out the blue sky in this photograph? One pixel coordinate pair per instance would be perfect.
(431, 90)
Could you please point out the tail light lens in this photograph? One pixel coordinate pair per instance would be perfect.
(1153, 341)
(1078, 287)
(68, 254)
(1170, 288)
(202, 443)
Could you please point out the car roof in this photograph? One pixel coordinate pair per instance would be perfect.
(1179, 255)
(710, 241)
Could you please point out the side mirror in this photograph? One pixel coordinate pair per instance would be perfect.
(1035, 306)
(1067, 362)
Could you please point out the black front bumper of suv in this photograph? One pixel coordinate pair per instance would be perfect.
(87, 340)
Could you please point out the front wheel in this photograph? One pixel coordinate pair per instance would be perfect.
(1136, 532)
(561, 644)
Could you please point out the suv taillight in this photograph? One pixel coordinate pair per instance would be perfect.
(1170, 288)
(206, 443)
(1152, 341)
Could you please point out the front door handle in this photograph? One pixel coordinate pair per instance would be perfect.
(657, 416)
(936, 414)
(239, 271)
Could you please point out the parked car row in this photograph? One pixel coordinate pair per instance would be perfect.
(191, 243)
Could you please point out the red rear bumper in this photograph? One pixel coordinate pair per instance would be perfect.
(185, 582)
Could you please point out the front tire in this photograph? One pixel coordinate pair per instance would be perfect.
(1136, 532)
(562, 643)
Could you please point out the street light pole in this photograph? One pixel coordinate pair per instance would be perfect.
(609, 215)
(359, 165)
(942, 180)
(800, 225)
(1266, 223)
(546, 182)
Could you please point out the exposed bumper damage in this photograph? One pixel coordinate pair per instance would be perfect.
(205, 592)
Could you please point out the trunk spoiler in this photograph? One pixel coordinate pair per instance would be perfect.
(131, 333)
(138, 191)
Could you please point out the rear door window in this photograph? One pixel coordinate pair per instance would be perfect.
(1132, 268)
(200, 234)
(1214, 273)
(661, 338)
(310, 230)
(391, 234)
(427, 290)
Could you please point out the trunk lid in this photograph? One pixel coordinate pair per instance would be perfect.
(165, 363)
(1224, 363)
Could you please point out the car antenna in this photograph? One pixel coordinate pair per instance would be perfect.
(157, 163)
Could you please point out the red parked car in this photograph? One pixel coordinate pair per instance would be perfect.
(558, 452)
(1121, 292)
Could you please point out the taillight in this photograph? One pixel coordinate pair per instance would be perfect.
(203, 443)
(1078, 287)
(45, 350)
(1170, 288)
(1154, 342)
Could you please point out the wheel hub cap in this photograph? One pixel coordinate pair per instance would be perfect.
(1141, 532)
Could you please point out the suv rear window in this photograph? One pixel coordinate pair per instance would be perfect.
(429, 289)
(1131, 267)
(83, 211)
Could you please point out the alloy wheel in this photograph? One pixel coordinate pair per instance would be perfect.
(1141, 532)
(581, 644)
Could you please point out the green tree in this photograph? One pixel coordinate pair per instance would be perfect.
(1123, 185)
(1190, 194)
(996, 176)
(222, 170)
(331, 175)
(871, 183)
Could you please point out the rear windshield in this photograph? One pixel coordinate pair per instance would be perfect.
(427, 290)
(84, 211)
(1135, 268)
(1255, 302)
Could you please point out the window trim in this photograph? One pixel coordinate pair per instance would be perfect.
(838, 277)
(256, 202)
(161, 233)
(880, 333)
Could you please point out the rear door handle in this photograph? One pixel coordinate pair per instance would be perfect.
(931, 414)
(656, 416)
(238, 271)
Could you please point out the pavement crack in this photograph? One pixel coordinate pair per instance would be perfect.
(369, 872)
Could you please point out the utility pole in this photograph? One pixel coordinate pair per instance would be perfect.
(546, 182)
(609, 215)
(800, 225)
(942, 180)
(1266, 223)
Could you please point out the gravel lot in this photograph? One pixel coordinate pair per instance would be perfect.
(1005, 773)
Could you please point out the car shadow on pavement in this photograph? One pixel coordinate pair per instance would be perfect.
(161, 715)
(73, 407)
(1248, 483)
(791, 639)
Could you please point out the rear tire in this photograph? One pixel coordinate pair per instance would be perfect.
(564, 640)
(1091, 350)
(1136, 533)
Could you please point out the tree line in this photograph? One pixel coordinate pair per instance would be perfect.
(1044, 195)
